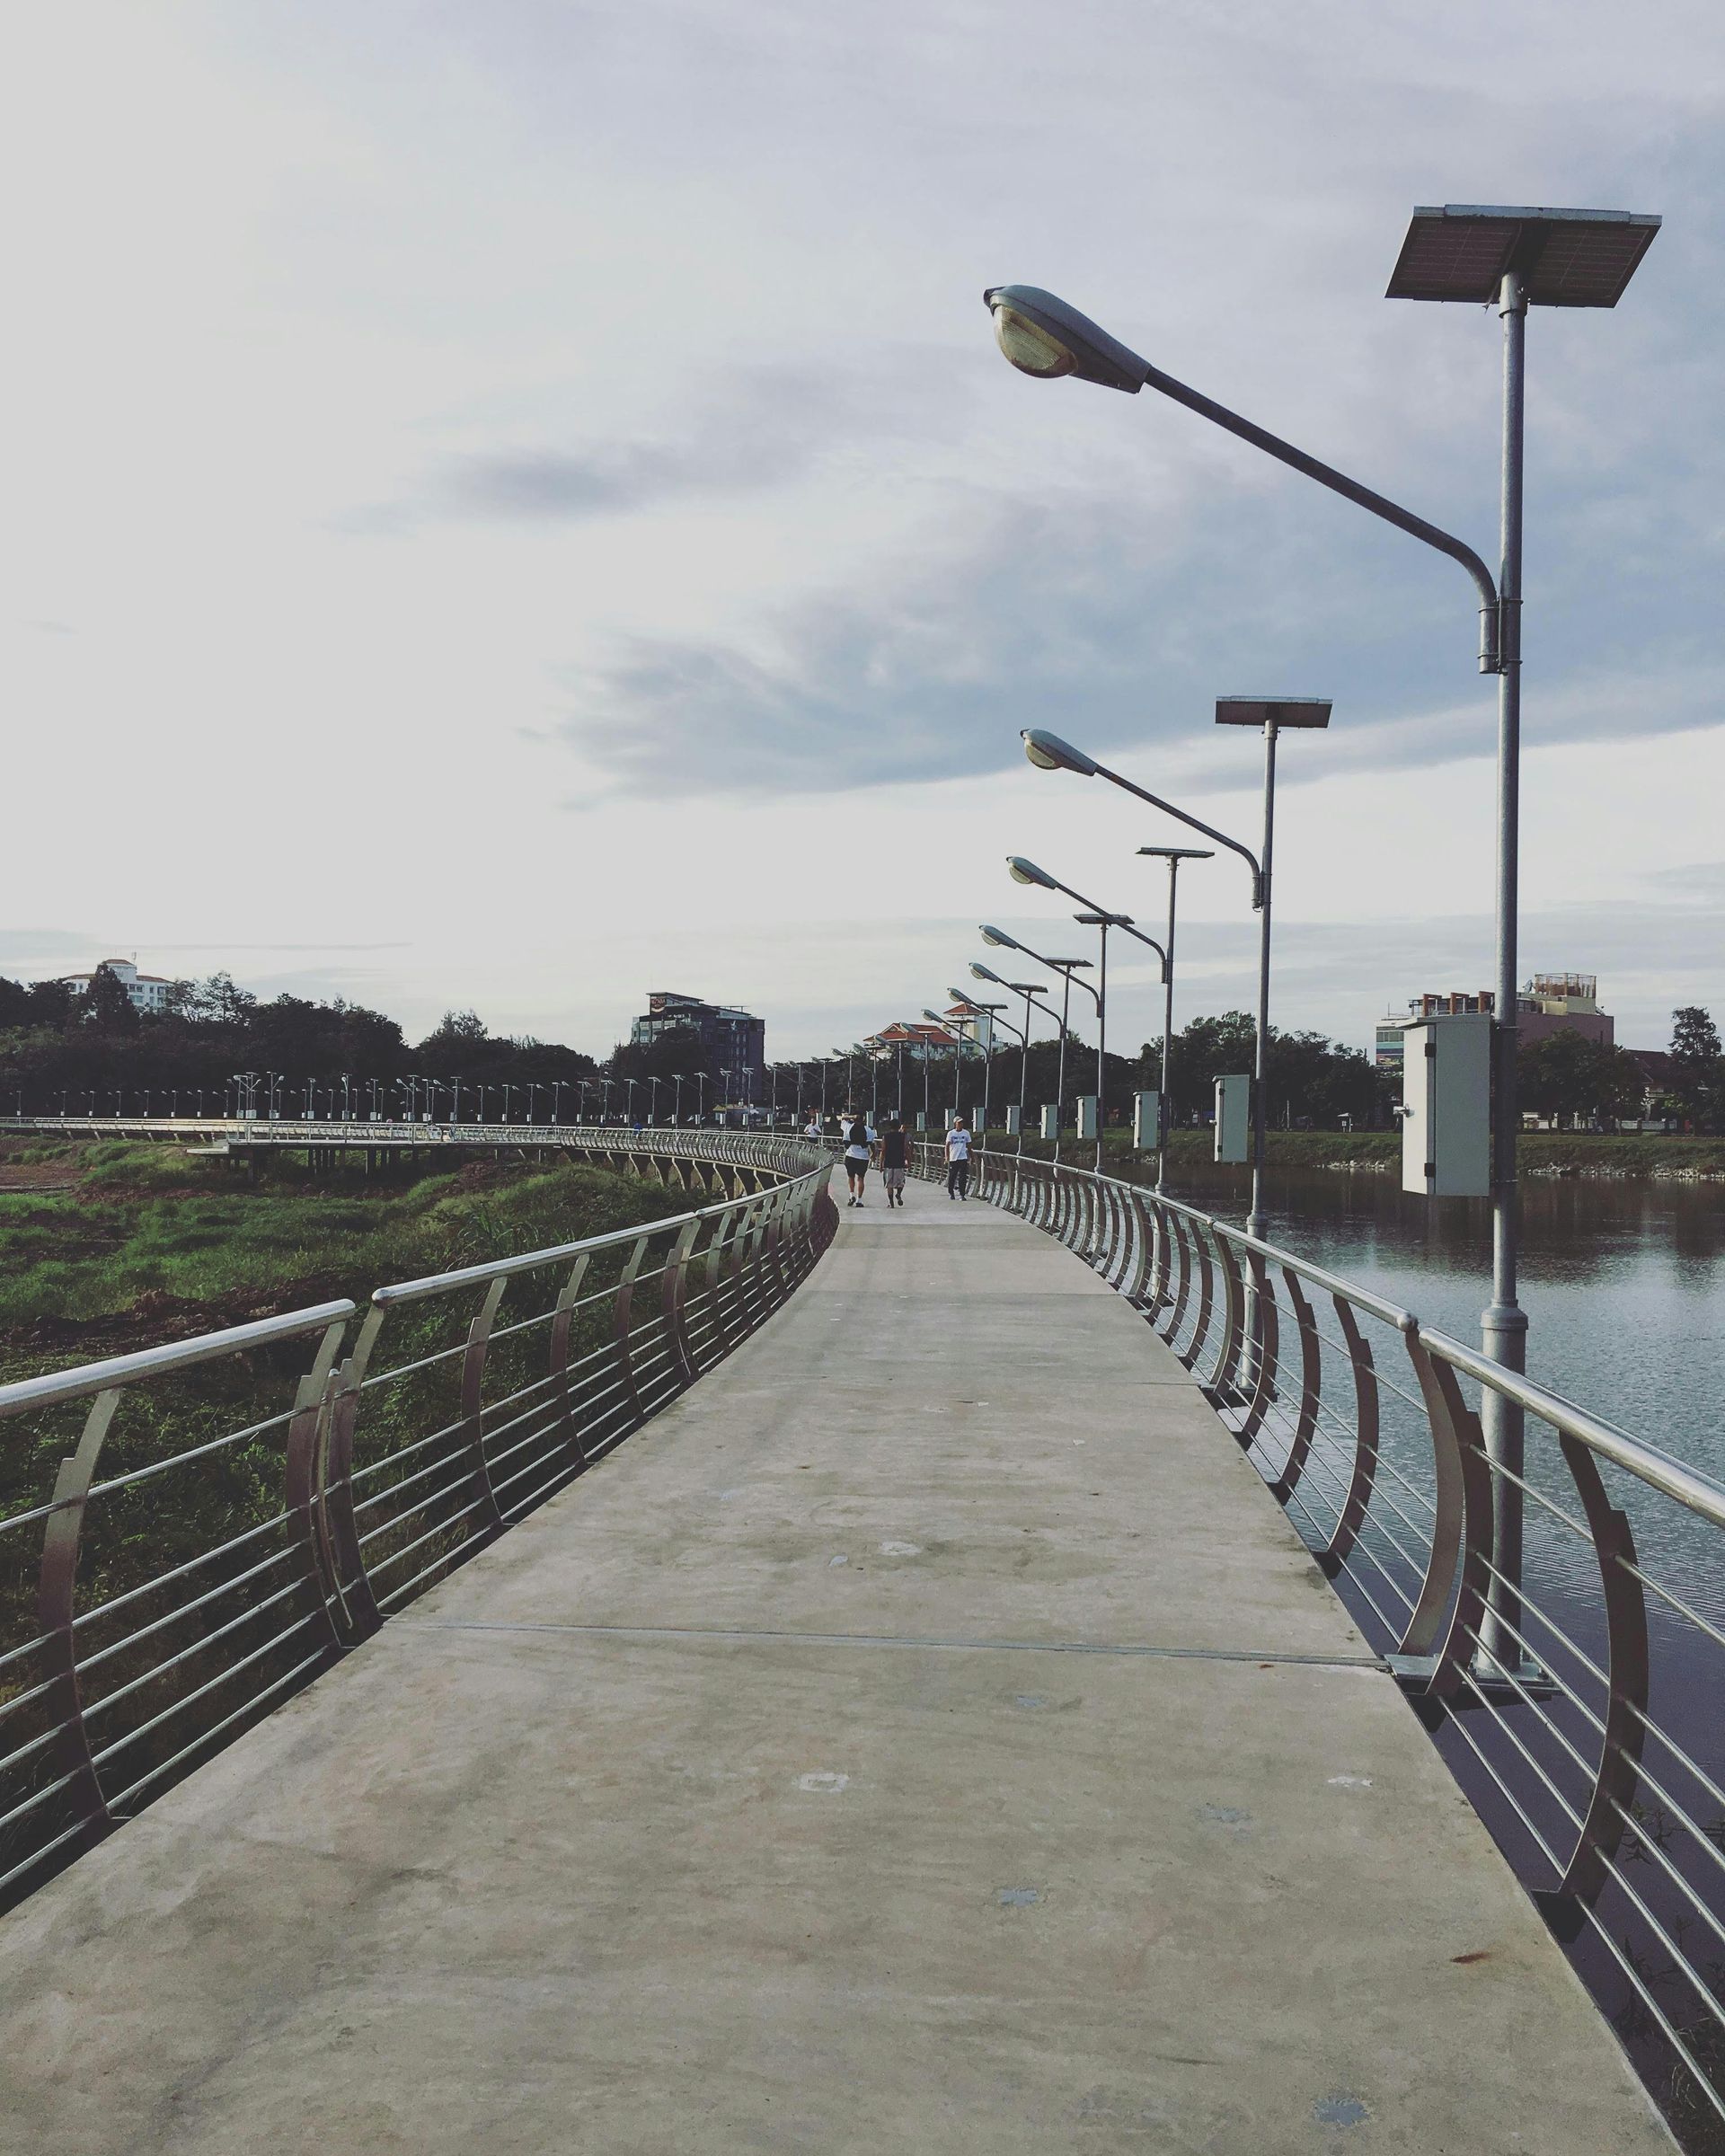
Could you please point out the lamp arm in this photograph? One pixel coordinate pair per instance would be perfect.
(1114, 919)
(1491, 651)
(1209, 830)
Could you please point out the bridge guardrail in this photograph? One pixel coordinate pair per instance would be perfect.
(1576, 1694)
(151, 1612)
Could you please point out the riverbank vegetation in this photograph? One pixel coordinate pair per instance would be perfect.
(105, 1246)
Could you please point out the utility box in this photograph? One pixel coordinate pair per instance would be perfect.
(1050, 1120)
(1146, 1121)
(1446, 1106)
(922, 1119)
(950, 1113)
(1014, 1120)
(1233, 1117)
(1087, 1120)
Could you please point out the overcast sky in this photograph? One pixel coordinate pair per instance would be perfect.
(514, 503)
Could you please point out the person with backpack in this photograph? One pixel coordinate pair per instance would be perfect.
(894, 1160)
(858, 1147)
(958, 1159)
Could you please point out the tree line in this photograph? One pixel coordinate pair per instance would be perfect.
(96, 1053)
(214, 1042)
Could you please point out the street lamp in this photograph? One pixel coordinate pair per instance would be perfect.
(955, 1034)
(1027, 872)
(677, 1098)
(1066, 969)
(1049, 752)
(652, 1098)
(995, 1019)
(1173, 856)
(1027, 989)
(1512, 259)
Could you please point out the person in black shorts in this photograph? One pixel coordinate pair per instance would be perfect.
(859, 1141)
(894, 1160)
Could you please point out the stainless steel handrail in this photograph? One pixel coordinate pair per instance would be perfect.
(91, 1378)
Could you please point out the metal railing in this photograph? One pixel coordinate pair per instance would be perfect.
(358, 1132)
(239, 1509)
(1578, 1697)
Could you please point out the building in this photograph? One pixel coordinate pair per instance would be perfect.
(1550, 1002)
(731, 1040)
(921, 1038)
(148, 992)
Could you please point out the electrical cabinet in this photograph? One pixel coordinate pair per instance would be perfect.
(1446, 1106)
(1233, 1117)
(1014, 1120)
(1146, 1121)
(1086, 1115)
(1050, 1121)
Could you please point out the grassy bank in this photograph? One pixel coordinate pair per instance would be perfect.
(117, 1245)
(1541, 1153)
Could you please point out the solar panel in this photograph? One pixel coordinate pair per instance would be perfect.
(1568, 258)
(1282, 711)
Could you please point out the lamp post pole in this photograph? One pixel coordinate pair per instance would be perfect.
(1095, 916)
(995, 1019)
(1173, 856)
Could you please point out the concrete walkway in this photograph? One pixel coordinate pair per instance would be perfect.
(926, 1737)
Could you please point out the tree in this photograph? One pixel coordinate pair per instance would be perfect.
(1698, 1065)
(107, 1006)
(1567, 1074)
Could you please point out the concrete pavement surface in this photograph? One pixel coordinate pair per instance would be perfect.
(926, 1736)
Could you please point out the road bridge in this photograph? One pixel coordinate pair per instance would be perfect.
(927, 1734)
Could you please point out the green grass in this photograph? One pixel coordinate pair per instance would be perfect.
(144, 1225)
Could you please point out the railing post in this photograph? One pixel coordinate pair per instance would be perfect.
(307, 1433)
(472, 1404)
(1363, 1474)
(1262, 1304)
(1311, 1389)
(625, 1306)
(1626, 1664)
(358, 1614)
(56, 1588)
(673, 1300)
(1456, 1576)
(562, 1324)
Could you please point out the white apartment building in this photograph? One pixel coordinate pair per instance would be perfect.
(147, 991)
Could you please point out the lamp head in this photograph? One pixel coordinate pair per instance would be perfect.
(986, 973)
(1049, 752)
(1027, 872)
(998, 938)
(1041, 335)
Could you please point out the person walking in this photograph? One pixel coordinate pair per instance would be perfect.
(812, 1129)
(894, 1160)
(859, 1141)
(958, 1159)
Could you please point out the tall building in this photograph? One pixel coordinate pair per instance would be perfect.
(1549, 1002)
(148, 992)
(731, 1040)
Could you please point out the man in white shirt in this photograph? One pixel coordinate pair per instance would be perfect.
(958, 1159)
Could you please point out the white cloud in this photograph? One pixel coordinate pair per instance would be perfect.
(686, 299)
